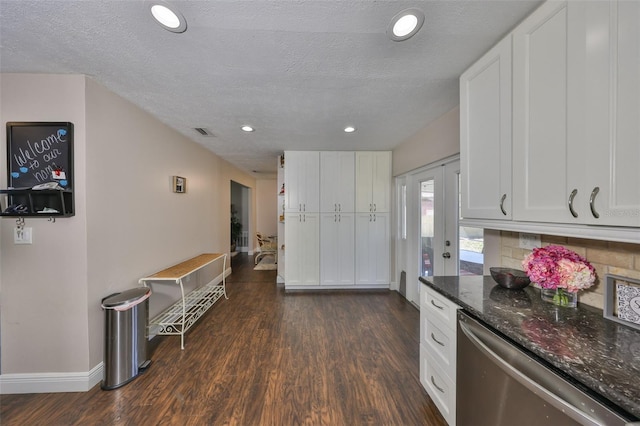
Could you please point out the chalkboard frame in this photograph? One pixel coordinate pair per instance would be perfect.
(27, 151)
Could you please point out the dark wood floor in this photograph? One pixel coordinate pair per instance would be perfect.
(265, 357)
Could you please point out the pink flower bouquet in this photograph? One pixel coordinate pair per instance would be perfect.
(555, 267)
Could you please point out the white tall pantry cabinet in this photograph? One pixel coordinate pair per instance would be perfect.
(351, 247)
(302, 218)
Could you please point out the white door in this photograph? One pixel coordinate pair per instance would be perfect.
(436, 244)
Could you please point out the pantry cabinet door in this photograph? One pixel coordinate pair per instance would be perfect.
(302, 181)
(337, 181)
(337, 249)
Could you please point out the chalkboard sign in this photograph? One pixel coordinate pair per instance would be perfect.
(39, 153)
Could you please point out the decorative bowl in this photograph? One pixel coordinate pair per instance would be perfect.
(512, 279)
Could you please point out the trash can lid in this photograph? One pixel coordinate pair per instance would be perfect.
(127, 297)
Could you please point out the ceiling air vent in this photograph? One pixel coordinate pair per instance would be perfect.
(204, 132)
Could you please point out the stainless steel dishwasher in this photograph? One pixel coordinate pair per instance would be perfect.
(498, 383)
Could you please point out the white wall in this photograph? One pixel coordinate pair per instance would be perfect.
(128, 222)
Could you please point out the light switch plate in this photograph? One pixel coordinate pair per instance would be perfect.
(22, 235)
(529, 241)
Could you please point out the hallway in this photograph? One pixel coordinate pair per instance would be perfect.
(265, 357)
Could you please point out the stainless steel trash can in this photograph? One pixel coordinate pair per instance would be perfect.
(126, 337)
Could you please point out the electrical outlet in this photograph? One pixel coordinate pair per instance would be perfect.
(22, 235)
(529, 241)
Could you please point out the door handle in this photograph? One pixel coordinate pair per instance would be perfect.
(436, 340)
(592, 200)
(571, 197)
(437, 387)
(504, 197)
(446, 255)
(437, 306)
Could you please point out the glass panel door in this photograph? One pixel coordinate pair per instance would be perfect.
(427, 226)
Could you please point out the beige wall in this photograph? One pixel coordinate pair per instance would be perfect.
(267, 206)
(45, 325)
(440, 139)
(128, 222)
(606, 257)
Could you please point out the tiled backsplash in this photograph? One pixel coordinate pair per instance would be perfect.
(607, 257)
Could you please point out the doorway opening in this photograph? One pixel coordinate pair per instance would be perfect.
(240, 213)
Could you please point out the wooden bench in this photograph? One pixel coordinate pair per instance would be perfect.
(179, 317)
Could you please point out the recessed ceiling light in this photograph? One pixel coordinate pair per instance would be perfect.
(168, 17)
(246, 128)
(405, 24)
(349, 129)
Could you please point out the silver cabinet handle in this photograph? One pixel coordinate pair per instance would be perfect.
(339, 218)
(504, 197)
(335, 207)
(370, 207)
(335, 217)
(437, 306)
(375, 207)
(571, 197)
(299, 207)
(339, 207)
(436, 340)
(592, 200)
(437, 387)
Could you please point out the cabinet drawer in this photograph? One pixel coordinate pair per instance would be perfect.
(440, 342)
(438, 306)
(438, 385)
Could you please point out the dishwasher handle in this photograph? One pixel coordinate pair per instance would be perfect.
(528, 382)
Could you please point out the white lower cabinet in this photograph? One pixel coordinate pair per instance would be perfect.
(337, 249)
(372, 249)
(303, 249)
(438, 351)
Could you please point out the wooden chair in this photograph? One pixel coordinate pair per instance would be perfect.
(268, 246)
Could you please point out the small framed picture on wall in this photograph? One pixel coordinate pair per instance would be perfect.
(179, 184)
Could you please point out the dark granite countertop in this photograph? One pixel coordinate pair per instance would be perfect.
(600, 354)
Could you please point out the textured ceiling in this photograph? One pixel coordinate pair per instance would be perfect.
(298, 71)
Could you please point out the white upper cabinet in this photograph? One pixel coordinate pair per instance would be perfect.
(373, 181)
(608, 102)
(337, 181)
(485, 135)
(302, 181)
(540, 76)
(576, 110)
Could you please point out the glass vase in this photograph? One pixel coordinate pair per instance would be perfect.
(560, 297)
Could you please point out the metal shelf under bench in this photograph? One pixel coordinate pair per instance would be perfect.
(179, 317)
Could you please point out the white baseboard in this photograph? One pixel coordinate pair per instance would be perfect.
(51, 382)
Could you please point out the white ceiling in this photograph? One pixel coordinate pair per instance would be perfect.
(299, 71)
